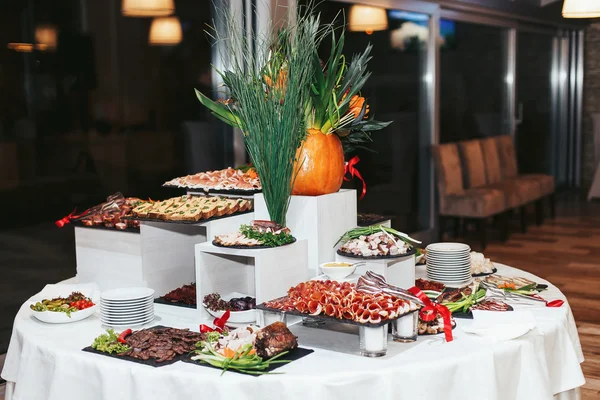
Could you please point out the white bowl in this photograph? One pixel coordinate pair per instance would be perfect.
(235, 317)
(336, 273)
(57, 317)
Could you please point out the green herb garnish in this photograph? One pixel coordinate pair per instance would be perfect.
(108, 343)
(267, 238)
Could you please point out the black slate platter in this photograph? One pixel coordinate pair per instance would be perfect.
(160, 300)
(469, 314)
(151, 362)
(293, 355)
(410, 252)
(486, 273)
(331, 319)
(216, 191)
(200, 221)
(81, 225)
(215, 243)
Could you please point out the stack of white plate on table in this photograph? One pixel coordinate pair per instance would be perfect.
(449, 263)
(127, 307)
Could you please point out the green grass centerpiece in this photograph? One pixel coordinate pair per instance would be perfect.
(268, 91)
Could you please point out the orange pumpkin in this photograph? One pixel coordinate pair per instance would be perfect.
(322, 170)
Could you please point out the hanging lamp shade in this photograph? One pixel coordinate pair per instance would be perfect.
(367, 19)
(147, 8)
(46, 36)
(581, 9)
(165, 31)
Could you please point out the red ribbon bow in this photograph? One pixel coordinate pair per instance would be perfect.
(349, 168)
(67, 220)
(219, 324)
(430, 310)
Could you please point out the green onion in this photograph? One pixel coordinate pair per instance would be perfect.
(369, 230)
(241, 361)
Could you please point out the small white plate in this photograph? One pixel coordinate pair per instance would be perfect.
(128, 302)
(126, 308)
(127, 320)
(127, 294)
(447, 247)
(57, 317)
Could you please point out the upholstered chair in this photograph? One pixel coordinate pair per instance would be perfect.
(457, 202)
(482, 169)
(509, 169)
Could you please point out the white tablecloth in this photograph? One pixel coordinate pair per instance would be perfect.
(46, 362)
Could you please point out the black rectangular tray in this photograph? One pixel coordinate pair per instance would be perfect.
(201, 221)
(331, 319)
(130, 230)
(159, 300)
(215, 191)
(151, 363)
(293, 355)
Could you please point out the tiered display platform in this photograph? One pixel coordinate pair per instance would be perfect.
(321, 220)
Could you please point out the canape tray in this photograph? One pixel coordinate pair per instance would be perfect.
(200, 221)
(293, 355)
(216, 191)
(215, 243)
(410, 252)
(326, 318)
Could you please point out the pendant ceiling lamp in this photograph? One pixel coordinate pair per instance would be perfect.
(46, 36)
(581, 9)
(367, 19)
(147, 8)
(165, 31)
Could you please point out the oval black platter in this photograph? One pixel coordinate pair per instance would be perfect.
(410, 252)
(214, 242)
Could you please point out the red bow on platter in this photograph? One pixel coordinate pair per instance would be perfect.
(349, 168)
(67, 220)
(219, 324)
(430, 310)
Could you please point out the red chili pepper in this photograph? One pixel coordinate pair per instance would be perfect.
(205, 329)
(123, 335)
(220, 322)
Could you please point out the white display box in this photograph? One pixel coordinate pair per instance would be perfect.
(168, 249)
(262, 273)
(397, 271)
(161, 256)
(321, 220)
(111, 258)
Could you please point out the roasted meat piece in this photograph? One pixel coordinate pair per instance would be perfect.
(161, 344)
(274, 339)
(454, 294)
(429, 285)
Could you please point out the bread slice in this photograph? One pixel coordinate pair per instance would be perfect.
(243, 205)
(177, 203)
(159, 208)
(190, 211)
(234, 206)
(209, 209)
(142, 210)
(222, 208)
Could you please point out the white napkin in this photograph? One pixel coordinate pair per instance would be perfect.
(501, 326)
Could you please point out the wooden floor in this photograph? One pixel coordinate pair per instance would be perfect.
(565, 251)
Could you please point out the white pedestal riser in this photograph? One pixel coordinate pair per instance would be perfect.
(262, 273)
(110, 258)
(161, 256)
(321, 220)
(397, 271)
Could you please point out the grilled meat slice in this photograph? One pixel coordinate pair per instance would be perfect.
(274, 339)
(454, 294)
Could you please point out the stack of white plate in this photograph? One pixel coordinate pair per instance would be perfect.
(127, 307)
(449, 263)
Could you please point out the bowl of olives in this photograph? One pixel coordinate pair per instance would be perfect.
(241, 306)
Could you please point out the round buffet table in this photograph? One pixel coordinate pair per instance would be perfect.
(46, 362)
